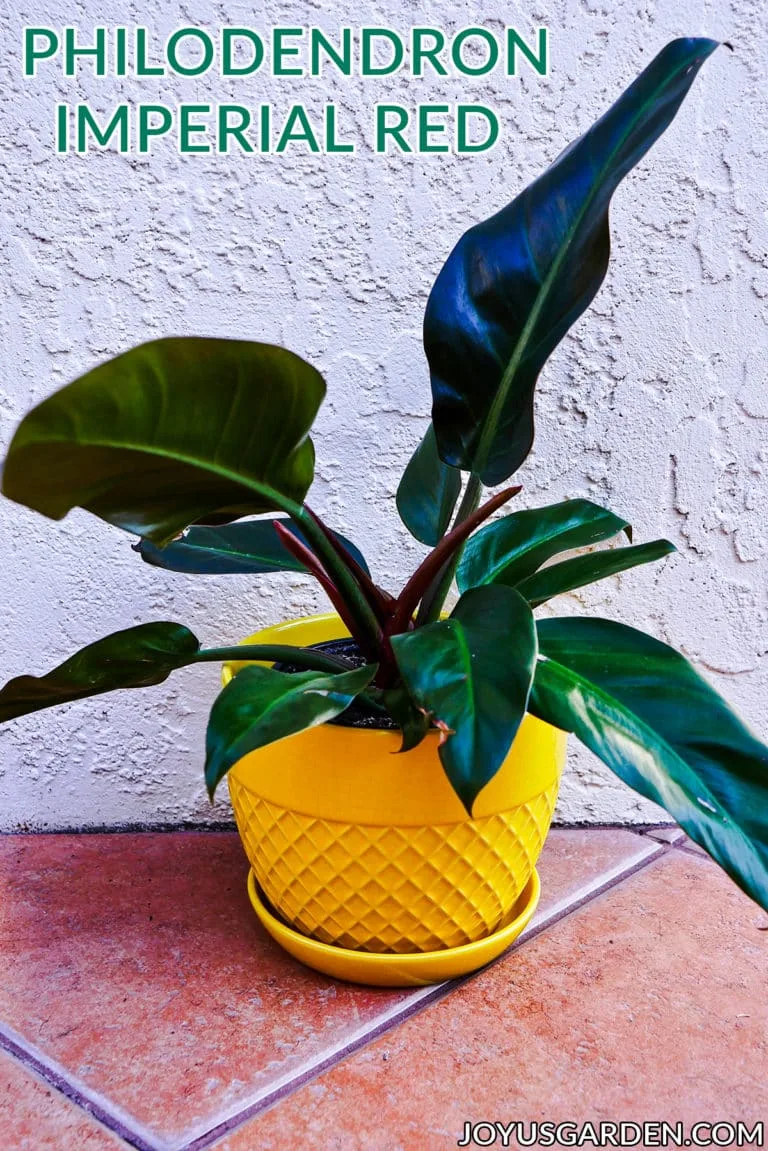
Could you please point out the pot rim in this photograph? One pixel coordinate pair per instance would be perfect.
(359, 776)
(323, 623)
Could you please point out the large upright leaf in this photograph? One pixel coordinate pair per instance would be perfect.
(428, 492)
(136, 657)
(514, 285)
(261, 705)
(471, 674)
(642, 708)
(248, 547)
(514, 547)
(174, 431)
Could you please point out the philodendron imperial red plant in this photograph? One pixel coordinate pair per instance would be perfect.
(200, 447)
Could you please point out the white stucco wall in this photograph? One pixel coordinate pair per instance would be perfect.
(656, 404)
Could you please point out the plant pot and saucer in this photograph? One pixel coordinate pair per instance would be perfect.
(364, 863)
(387, 868)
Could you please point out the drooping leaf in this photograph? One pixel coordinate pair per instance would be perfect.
(642, 708)
(472, 674)
(428, 492)
(261, 705)
(579, 571)
(514, 285)
(136, 657)
(247, 547)
(513, 548)
(169, 433)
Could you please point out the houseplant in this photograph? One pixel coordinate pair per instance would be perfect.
(178, 440)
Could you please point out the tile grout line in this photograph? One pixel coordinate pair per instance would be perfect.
(676, 842)
(590, 891)
(681, 842)
(693, 851)
(417, 1002)
(110, 1115)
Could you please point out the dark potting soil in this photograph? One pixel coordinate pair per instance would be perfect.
(357, 714)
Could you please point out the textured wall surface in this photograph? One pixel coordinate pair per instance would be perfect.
(656, 404)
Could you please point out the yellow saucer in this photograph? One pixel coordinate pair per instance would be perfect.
(416, 969)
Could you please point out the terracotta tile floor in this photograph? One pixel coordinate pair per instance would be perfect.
(142, 1006)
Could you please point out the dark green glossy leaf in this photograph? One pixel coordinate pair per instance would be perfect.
(582, 570)
(428, 492)
(246, 547)
(471, 674)
(643, 709)
(513, 548)
(260, 706)
(514, 285)
(172, 432)
(136, 657)
(413, 723)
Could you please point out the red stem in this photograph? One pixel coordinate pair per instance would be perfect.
(381, 601)
(310, 561)
(409, 598)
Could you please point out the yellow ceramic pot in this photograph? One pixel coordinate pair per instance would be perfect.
(367, 850)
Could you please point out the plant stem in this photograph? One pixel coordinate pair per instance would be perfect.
(435, 563)
(381, 601)
(359, 608)
(307, 557)
(432, 603)
(275, 653)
